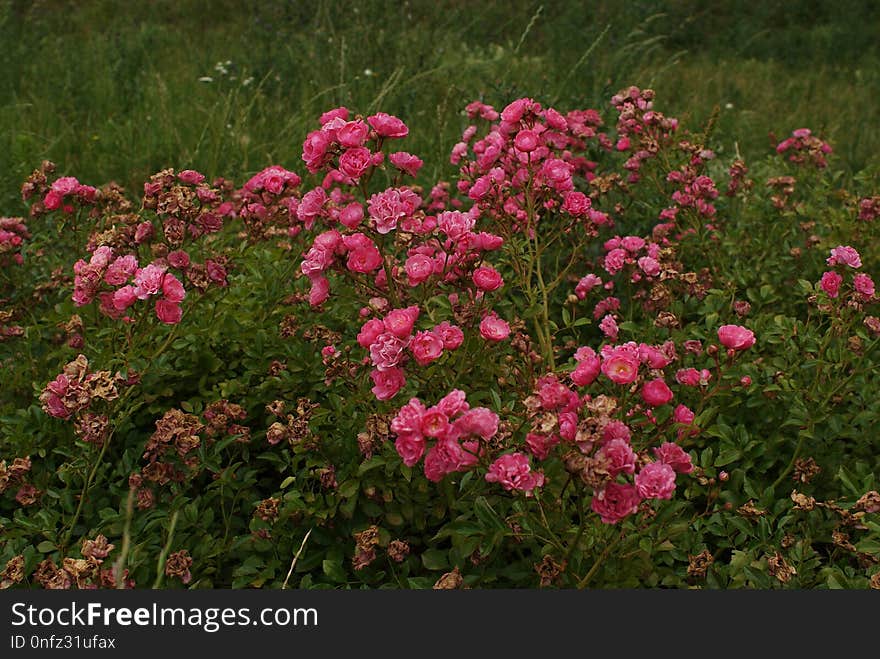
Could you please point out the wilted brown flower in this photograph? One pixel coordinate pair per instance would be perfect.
(178, 565)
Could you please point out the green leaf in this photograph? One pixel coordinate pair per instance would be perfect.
(46, 547)
(435, 559)
(334, 570)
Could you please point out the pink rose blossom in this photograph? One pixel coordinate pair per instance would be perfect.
(541, 445)
(675, 457)
(526, 140)
(586, 284)
(408, 420)
(410, 448)
(406, 162)
(864, 285)
(453, 403)
(352, 134)
(370, 332)
(656, 480)
(513, 472)
(387, 125)
(387, 351)
(400, 322)
(615, 501)
(351, 215)
(168, 312)
(124, 297)
(148, 281)
(656, 392)
(178, 259)
(618, 456)
(487, 278)
(493, 328)
(451, 335)
(172, 289)
(426, 346)
(320, 290)
(736, 337)
(586, 371)
(620, 365)
(614, 261)
(418, 268)
(354, 162)
(121, 270)
(435, 423)
(576, 203)
(616, 430)
(649, 266)
(387, 383)
(609, 327)
(477, 421)
(830, 283)
(191, 176)
(844, 255)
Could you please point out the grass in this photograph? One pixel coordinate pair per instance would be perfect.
(111, 90)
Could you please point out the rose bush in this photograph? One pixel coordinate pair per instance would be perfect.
(575, 364)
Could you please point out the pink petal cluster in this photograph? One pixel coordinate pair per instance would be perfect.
(455, 428)
(513, 472)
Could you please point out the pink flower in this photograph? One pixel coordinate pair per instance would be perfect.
(336, 113)
(387, 125)
(388, 207)
(675, 457)
(364, 259)
(400, 322)
(148, 281)
(513, 472)
(408, 420)
(830, 283)
(609, 327)
(632, 243)
(410, 448)
(736, 337)
(387, 383)
(351, 215)
(406, 162)
(354, 162)
(689, 377)
(618, 456)
(656, 480)
(586, 371)
(387, 351)
(615, 501)
(311, 206)
(178, 259)
(576, 203)
(616, 430)
(493, 328)
(418, 268)
(172, 289)
(845, 255)
(320, 290)
(654, 357)
(684, 415)
(614, 261)
(487, 278)
(621, 366)
(352, 134)
(541, 445)
(649, 266)
(124, 297)
(435, 423)
(526, 140)
(455, 224)
(144, 232)
(426, 346)
(191, 176)
(121, 270)
(168, 312)
(451, 335)
(315, 150)
(453, 403)
(656, 392)
(477, 421)
(586, 284)
(864, 285)
(370, 332)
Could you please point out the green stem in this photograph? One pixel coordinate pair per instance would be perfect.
(586, 580)
(160, 566)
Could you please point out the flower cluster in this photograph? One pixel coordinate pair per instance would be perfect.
(152, 281)
(74, 392)
(86, 573)
(393, 338)
(527, 161)
(845, 258)
(640, 129)
(267, 203)
(804, 147)
(14, 475)
(13, 233)
(869, 208)
(457, 431)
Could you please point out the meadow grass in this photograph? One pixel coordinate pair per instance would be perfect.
(112, 91)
